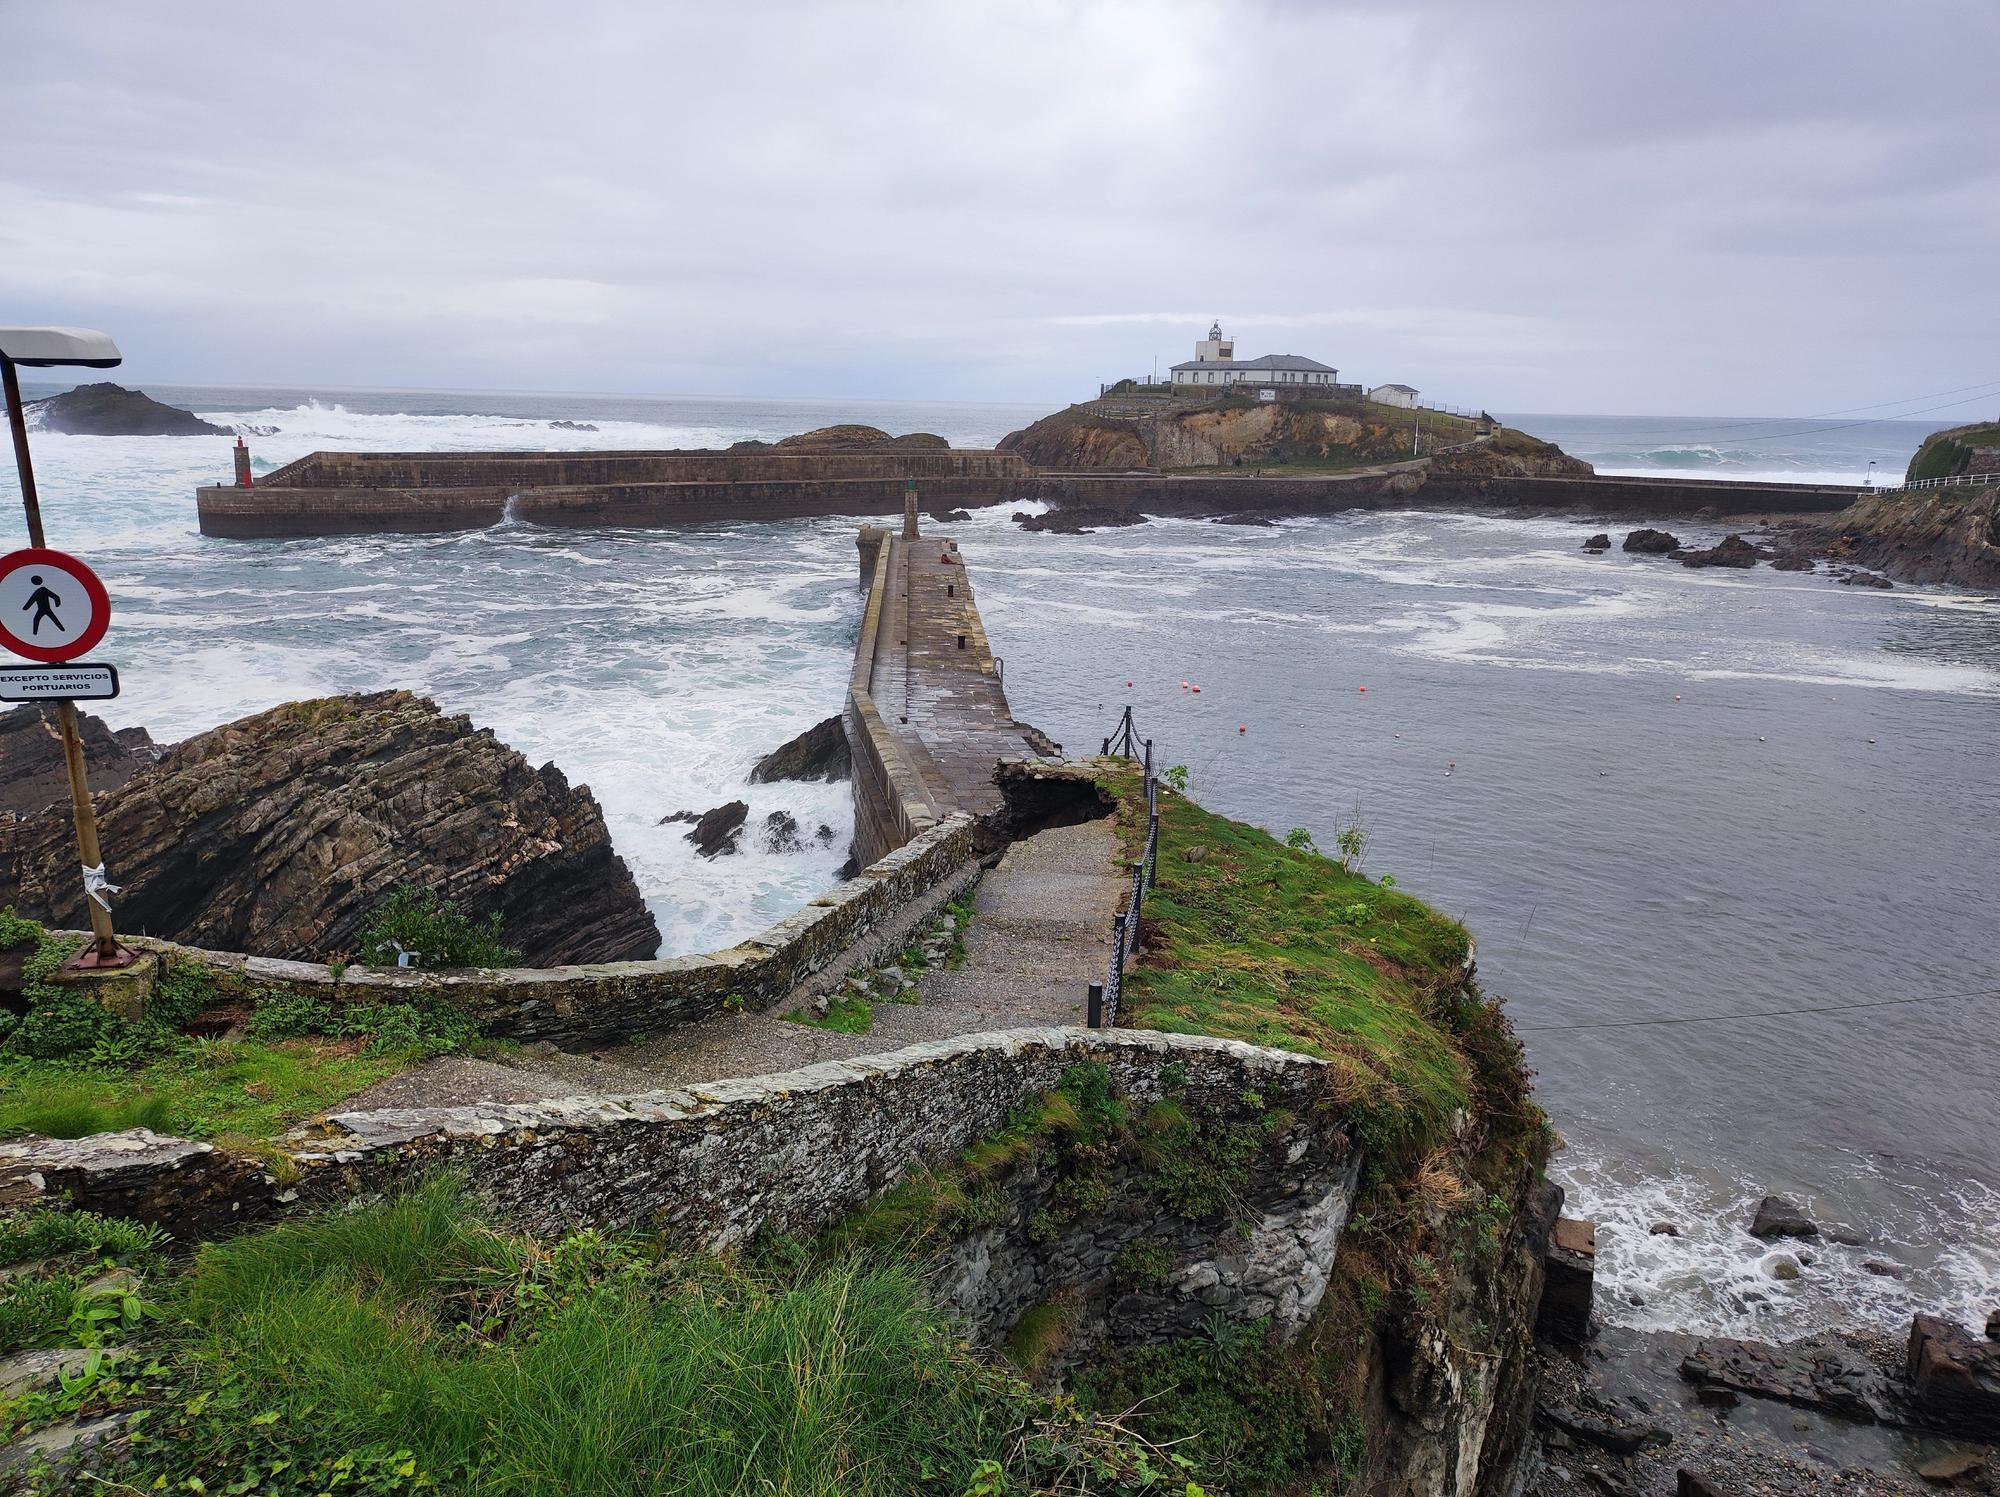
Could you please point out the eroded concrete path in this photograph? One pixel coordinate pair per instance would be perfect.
(1039, 933)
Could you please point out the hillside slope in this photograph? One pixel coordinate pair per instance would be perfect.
(1957, 450)
(1947, 535)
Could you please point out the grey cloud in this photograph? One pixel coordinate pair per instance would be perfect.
(1534, 206)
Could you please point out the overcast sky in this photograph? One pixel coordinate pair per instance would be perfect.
(1672, 208)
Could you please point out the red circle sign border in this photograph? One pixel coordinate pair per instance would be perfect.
(100, 605)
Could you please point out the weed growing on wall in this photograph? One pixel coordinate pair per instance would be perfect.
(433, 932)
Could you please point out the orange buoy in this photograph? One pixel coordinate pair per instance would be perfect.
(1195, 689)
(1241, 728)
(1364, 688)
(1128, 685)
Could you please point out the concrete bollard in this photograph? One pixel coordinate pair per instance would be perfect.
(123, 990)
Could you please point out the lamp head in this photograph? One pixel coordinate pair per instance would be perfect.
(48, 347)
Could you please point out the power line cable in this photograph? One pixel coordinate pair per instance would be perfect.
(1772, 1013)
(1991, 386)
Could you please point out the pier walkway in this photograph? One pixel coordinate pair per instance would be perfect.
(933, 724)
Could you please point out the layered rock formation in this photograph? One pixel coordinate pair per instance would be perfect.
(1949, 535)
(1510, 454)
(108, 410)
(280, 833)
(1957, 450)
(32, 773)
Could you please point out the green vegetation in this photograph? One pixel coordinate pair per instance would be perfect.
(70, 1293)
(1948, 454)
(1258, 940)
(70, 1067)
(434, 932)
(409, 1346)
(845, 1014)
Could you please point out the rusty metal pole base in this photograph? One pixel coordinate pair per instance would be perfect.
(91, 959)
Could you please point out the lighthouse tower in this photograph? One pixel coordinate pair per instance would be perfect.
(1215, 349)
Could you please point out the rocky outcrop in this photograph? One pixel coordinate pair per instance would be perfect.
(1510, 454)
(108, 410)
(1731, 551)
(1077, 519)
(1954, 1378)
(1957, 450)
(1599, 542)
(1075, 440)
(32, 773)
(1652, 542)
(819, 753)
(1779, 1216)
(719, 831)
(1949, 535)
(280, 833)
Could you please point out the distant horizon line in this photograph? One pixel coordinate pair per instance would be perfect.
(864, 400)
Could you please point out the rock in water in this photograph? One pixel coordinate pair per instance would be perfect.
(1078, 519)
(32, 774)
(1732, 551)
(819, 753)
(1652, 542)
(717, 831)
(1599, 542)
(781, 833)
(1956, 1378)
(108, 410)
(1779, 1217)
(280, 834)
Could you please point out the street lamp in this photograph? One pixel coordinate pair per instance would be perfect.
(1869, 481)
(49, 348)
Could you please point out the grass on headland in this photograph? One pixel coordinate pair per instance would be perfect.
(1255, 940)
(410, 1346)
(70, 1067)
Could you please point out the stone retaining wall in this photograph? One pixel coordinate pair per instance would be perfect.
(602, 1002)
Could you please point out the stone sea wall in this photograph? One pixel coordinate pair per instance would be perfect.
(597, 1003)
(891, 804)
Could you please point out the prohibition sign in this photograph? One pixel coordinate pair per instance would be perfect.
(52, 607)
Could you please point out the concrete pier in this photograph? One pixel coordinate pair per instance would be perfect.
(926, 715)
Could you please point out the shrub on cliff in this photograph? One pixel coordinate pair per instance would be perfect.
(435, 933)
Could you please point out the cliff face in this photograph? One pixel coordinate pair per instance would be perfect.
(281, 833)
(1956, 450)
(1925, 535)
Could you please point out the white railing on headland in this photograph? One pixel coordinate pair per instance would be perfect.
(1984, 480)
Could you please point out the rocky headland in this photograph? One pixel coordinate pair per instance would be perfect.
(279, 834)
(1310, 435)
(108, 410)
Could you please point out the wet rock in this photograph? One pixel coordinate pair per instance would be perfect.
(1599, 542)
(718, 831)
(108, 410)
(1688, 1484)
(1779, 1217)
(1652, 542)
(1954, 1468)
(1593, 1422)
(1883, 1270)
(571, 426)
(823, 835)
(1993, 1325)
(1793, 561)
(1665, 1229)
(1955, 1378)
(673, 816)
(1785, 1269)
(1822, 1372)
(32, 773)
(281, 833)
(1865, 579)
(1247, 517)
(819, 753)
(781, 833)
(1846, 1238)
(1731, 551)
(1077, 519)
(952, 516)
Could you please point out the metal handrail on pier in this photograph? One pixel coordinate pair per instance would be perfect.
(1105, 998)
(1956, 480)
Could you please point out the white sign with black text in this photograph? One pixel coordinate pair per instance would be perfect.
(85, 681)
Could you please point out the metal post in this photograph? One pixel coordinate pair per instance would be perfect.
(1149, 762)
(1093, 1005)
(105, 952)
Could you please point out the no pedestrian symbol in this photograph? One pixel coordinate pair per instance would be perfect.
(52, 607)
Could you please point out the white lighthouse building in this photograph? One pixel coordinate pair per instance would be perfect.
(1215, 364)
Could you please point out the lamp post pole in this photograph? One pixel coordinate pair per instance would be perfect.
(105, 950)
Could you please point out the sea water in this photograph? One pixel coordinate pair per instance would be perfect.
(1654, 794)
